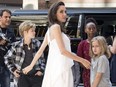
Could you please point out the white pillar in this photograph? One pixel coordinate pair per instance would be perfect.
(30, 4)
(93, 3)
(111, 3)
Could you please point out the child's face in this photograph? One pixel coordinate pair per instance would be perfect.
(90, 29)
(31, 33)
(96, 48)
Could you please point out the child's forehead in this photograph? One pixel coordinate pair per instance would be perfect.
(95, 42)
(32, 29)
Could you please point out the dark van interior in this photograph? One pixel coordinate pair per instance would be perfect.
(105, 17)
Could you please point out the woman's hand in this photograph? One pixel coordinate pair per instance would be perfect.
(27, 69)
(86, 63)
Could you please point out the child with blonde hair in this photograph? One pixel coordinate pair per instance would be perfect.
(21, 54)
(83, 48)
(100, 72)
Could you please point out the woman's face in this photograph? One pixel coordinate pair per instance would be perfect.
(61, 14)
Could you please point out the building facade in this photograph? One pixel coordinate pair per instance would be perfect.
(45, 4)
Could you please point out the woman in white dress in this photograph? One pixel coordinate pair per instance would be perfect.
(58, 71)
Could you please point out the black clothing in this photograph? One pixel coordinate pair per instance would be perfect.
(30, 81)
(28, 58)
(9, 34)
(113, 68)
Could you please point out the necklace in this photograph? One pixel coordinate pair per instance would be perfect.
(29, 47)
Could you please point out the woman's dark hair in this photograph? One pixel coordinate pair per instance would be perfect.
(88, 20)
(52, 18)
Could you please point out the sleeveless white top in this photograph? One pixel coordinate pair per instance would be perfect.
(58, 71)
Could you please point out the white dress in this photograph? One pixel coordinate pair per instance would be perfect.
(58, 71)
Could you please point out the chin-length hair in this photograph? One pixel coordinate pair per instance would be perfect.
(52, 18)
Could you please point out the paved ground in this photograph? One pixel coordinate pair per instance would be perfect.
(81, 85)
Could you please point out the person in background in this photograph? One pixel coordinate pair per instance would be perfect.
(107, 31)
(113, 46)
(76, 73)
(113, 61)
(58, 71)
(100, 71)
(7, 36)
(21, 54)
(83, 48)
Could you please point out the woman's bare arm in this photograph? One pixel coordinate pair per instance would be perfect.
(56, 33)
(40, 51)
(113, 47)
(37, 55)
